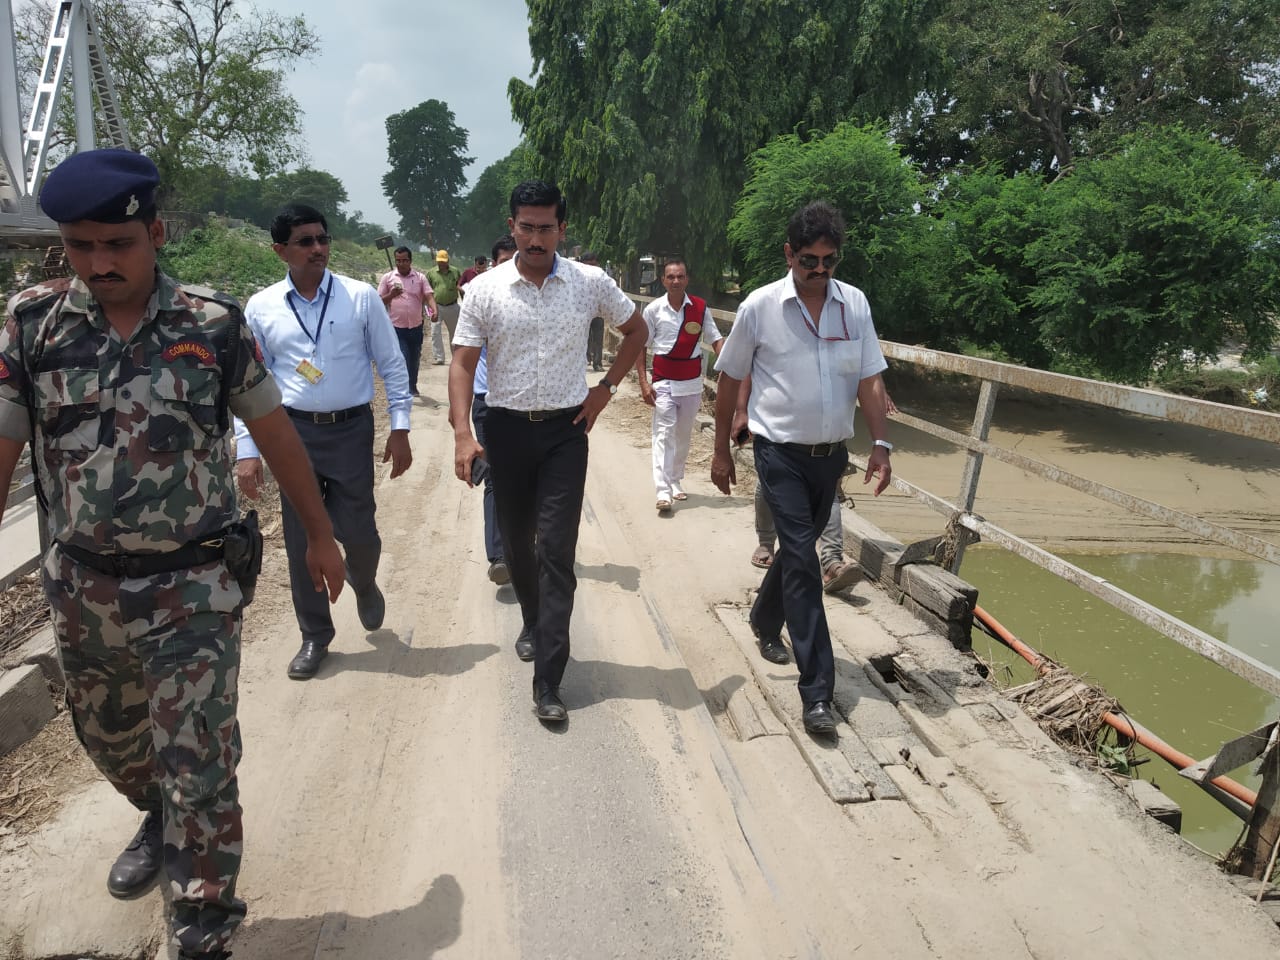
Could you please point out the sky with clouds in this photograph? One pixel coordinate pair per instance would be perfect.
(378, 58)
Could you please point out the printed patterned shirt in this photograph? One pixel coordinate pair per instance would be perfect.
(537, 336)
(135, 457)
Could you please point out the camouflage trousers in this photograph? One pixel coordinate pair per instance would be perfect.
(152, 665)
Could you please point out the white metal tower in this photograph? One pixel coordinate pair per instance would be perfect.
(73, 48)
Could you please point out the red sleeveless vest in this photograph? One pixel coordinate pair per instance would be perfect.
(684, 361)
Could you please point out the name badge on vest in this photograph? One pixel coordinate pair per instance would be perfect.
(310, 372)
(692, 327)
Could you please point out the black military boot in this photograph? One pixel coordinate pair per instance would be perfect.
(204, 955)
(138, 865)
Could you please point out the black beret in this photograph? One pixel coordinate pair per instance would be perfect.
(109, 186)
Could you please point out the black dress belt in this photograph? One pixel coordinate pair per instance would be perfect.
(336, 416)
(537, 415)
(810, 449)
(127, 565)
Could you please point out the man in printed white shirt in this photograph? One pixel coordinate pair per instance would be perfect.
(318, 333)
(532, 315)
(678, 325)
(809, 347)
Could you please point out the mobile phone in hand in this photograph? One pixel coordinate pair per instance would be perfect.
(742, 437)
(479, 471)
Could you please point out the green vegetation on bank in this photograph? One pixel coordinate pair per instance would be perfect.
(240, 261)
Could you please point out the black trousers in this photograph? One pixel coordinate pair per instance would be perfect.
(342, 456)
(799, 490)
(492, 539)
(410, 339)
(539, 473)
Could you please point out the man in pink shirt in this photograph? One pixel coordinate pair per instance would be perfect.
(407, 296)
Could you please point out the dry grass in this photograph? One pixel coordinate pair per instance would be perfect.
(23, 611)
(39, 776)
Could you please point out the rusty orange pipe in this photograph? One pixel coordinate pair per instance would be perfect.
(1146, 738)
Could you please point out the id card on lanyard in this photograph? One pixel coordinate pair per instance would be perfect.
(309, 371)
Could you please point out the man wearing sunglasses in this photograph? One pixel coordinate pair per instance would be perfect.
(809, 347)
(319, 332)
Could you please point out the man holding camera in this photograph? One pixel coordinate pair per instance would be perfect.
(121, 378)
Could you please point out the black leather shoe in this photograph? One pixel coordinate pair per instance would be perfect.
(138, 865)
(372, 607)
(771, 648)
(818, 718)
(307, 662)
(549, 705)
(524, 645)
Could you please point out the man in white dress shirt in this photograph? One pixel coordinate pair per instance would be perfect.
(809, 346)
(679, 325)
(532, 314)
(318, 332)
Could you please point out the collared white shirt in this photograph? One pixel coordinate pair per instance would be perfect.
(537, 336)
(803, 388)
(664, 323)
(356, 330)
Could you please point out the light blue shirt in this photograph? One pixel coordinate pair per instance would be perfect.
(356, 331)
(482, 373)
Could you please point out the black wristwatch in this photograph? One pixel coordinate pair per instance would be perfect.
(604, 382)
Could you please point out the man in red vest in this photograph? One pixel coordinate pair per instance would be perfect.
(678, 326)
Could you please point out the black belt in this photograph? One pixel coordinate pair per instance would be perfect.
(126, 565)
(537, 415)
(337, 416)
(810, 449)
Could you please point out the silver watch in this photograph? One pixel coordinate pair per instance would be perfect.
(604, 382)
(883, 443)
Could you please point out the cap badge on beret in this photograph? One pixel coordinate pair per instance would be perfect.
(132, 208)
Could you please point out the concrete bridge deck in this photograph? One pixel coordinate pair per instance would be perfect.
(406, 803)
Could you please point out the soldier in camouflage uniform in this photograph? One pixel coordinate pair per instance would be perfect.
(123, 377)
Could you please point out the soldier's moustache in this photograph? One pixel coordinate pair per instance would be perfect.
(105, 276)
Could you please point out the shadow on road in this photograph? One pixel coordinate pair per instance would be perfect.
(411, 933)
(588, 682)
(390, 654)
(628, 578)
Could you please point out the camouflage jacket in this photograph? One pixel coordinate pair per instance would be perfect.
(134, 447)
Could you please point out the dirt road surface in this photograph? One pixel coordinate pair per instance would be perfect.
(406, 804)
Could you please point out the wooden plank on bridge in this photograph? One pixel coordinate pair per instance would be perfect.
(829, 764)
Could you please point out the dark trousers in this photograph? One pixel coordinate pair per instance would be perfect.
(539, 472)
(799, 489)
(595, 343)
(411, 346)
(492, 538)
(342, 456)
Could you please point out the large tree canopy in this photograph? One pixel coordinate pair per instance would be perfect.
(425, 150)
(1034, 85)
(200, 82)
(645, 112)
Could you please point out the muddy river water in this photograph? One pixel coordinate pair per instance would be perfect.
(1190, 702)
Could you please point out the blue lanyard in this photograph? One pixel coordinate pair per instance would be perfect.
(324, 308)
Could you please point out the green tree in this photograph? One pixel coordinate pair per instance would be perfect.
(645, 112)
(487, 206)
(862, 173)
(1157, 255)
(988, 221)
(426, 153)
(1033, 86)
(201, 84)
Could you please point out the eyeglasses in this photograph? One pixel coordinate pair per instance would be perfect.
(809, 261)
(536, 229)
(323, 239)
